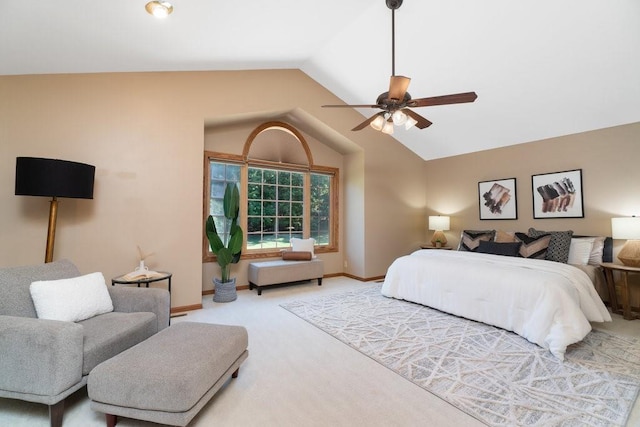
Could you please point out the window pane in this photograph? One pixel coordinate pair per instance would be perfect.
(284, 225)
(255, 207)
(297, 180)
(220, 174)
(284, 193)
(296, 209)
(253, 224)
(268, 241)
(268, 224)
(269, 208)
(233, 173)
(254, 191)
(320, 208)
(297, 194)
(284, 209)
(284, 178)
(255, 175)
(269, 176)
(269, 192)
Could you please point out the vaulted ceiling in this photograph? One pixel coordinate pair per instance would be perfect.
(541, 68)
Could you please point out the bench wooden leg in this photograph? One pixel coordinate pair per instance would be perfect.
(235, 374)
(112, 420)
(319, 281)
(56, 411)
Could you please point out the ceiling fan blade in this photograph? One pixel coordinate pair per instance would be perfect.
(352, 106)
(421, 121)
(457, 98)
(367, 122)
(398, 86)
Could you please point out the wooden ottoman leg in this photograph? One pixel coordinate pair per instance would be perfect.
(112, 420)
(56, 412)
(319, 281)
(235, 374)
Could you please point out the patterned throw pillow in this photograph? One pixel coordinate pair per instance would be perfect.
(470, 239)
(533, 247)
(558, 247)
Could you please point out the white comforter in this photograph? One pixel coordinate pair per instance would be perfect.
(548, 303)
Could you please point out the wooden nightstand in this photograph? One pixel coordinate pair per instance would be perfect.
(446, 248)
(609, 268)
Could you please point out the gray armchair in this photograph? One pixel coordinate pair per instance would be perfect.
(45, 361)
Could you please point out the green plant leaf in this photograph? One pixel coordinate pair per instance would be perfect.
(212, 234)
(231, 252)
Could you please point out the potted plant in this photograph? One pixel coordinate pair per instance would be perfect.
(227, 252)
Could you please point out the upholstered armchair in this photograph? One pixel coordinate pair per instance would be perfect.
(44, 360)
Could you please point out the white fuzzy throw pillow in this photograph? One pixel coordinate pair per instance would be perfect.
(303, 245)
(71, 300)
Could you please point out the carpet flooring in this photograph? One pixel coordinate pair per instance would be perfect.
(493, 375)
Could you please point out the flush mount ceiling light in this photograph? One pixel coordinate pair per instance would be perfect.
(159, 9)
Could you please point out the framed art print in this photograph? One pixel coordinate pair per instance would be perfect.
(497, 199)
(558, 195)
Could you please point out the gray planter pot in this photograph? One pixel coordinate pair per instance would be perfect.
(224, 292)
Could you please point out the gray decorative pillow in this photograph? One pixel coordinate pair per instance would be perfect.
(533, 247)
(470, 239)
(559, 245)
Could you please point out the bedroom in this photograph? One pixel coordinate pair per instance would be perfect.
(144, 131)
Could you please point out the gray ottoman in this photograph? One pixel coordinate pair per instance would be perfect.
(169, 377)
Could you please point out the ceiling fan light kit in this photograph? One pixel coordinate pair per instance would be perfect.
(396, 103)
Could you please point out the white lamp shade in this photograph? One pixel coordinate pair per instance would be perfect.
(399, 117)
(439, 223)
(625, 228)
(377, 123)
(388, 128)
(410, 123)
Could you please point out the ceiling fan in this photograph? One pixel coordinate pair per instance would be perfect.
(396, 103)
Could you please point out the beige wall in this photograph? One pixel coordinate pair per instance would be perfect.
(610, 177)
(144, 132)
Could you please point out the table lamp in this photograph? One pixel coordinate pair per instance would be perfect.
(53, 178)
(439, 224)
(628, 228)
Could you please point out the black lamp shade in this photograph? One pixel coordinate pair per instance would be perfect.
(54, 178)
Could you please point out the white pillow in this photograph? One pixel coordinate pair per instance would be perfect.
(597, 251)
(71, 300)
(303, 245)
(580, 251)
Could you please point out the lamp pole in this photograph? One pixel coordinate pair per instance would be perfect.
(51, 232)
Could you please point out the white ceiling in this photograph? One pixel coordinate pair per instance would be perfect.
(541, 68)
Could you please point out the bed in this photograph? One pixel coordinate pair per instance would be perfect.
(548, 303)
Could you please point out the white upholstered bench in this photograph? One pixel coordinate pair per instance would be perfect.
(280, 272)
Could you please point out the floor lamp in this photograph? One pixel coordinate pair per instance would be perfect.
(53, 178)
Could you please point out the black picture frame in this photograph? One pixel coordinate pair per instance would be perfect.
(558, 194)
(497, 199)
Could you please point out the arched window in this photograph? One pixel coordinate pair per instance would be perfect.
(283, 193)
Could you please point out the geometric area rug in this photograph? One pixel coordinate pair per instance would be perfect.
(492, 374)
